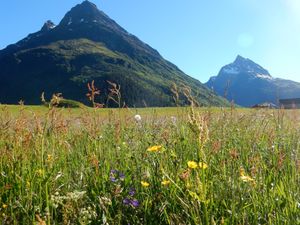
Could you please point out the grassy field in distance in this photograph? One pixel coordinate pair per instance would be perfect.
(149, 166)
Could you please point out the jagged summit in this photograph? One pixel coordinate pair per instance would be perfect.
(88, 3)
(244, 66)
(84, 12)
(48, 25)
(240, 59)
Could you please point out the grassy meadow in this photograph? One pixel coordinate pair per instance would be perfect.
(149, 166)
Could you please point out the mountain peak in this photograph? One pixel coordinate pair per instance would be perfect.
(48, 25)
(243, 65)
(87, 4)
(240, 59)
(86, 12)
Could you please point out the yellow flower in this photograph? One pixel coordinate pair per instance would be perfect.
(49, 158)
(28, 184)
(154, 148)
(40, 172)
(202, 165)
(192, 164)
(4, 206)
(242, 171)
(244, 177)
(145, 184)
(165, 182)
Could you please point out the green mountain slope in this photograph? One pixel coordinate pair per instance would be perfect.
(87, 45)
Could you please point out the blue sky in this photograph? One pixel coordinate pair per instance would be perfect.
(199, 36)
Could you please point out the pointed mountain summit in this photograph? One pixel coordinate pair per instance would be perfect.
(85, 11)
(85, 20)
(87, 45)
(245, 66)
(247, 83)
(48, 26)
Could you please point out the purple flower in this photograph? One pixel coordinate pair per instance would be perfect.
(132, 202)
(131, 191)
(126, 201)
(113, 179)
(135, 203)
(121, 176)
(116, 175)
(114, 171)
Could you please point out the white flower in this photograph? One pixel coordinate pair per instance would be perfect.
(137, 118)
(173, 119)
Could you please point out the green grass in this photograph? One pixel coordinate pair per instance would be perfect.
(80, 166)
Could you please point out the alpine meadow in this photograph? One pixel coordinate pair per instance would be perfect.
(149, 166)
(97, 127)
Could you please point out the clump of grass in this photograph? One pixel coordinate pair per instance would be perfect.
(58, 101)
(204, 166)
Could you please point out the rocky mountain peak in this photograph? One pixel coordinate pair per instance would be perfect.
(245, 66)
(86, 12)
(87, 6)
(48, 25)
(240, 59)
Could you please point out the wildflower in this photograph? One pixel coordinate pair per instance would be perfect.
(116, 175)
(49, 158)
(28, 184)
(59, 174)
(104, 201)
(137, 118)
(113, 175)
(135, 203)
(121, 176)
(132, 202)
(131, 191)
(112, 179)
(40, 172)
(145, 184)
(185, 174)
(244, 177)
(4, 206)
(126, 201)
(165, 182)
(154, 148)
(202, 165)
(192, 164)
(173, 119)
(194, 195)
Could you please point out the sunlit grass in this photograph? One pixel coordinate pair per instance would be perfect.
(171, 166)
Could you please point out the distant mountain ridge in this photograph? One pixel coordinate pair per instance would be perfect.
(247, 83)
(87, 45)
